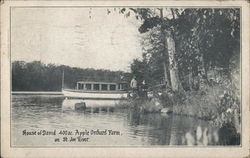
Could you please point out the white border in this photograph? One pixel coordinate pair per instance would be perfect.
(6, 151)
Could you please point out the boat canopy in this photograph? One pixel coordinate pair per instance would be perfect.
(100, 86)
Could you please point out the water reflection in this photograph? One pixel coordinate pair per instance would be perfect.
(89, 106)
(174, 130)
(140, 129)
(201, 136)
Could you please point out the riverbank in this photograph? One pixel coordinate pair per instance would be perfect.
(213, 103)
(219, 107)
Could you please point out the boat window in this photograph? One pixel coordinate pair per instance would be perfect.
(96, 87)
(125, 86)
(112, 87)
(80, 86)
(88, 86)
(104, 87)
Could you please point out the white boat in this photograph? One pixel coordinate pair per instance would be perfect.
(97, 90)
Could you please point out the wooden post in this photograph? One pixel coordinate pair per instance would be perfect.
(63, 80)
(77, 86)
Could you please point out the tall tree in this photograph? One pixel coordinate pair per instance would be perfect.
(168, 42)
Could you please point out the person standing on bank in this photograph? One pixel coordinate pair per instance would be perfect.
(133, 85)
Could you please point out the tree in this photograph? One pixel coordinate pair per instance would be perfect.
(168, 46)
(204, 38)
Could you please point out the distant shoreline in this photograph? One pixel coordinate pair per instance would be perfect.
(36, 93)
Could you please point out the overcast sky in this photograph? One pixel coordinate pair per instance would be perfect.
(68, 36)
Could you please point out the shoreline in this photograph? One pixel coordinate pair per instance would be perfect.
(36, 93)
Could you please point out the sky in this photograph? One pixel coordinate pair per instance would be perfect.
(69, 36)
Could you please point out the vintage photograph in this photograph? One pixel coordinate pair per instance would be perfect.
(125, 76)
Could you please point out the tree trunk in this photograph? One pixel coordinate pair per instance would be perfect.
(166, 75)
(167, 79)
(170, 44)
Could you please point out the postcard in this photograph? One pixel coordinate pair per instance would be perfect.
(125, 79)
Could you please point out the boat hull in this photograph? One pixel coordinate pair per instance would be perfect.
(70, 104)
(68, 93)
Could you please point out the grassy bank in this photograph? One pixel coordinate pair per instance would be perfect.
(216, 104)
(220, 105)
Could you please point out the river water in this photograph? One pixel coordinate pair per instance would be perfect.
(42, 121)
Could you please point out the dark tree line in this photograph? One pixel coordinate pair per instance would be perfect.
(36, 76)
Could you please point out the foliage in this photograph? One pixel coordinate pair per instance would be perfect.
(205, 39)
(150, 68)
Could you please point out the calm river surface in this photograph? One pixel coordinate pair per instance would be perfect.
(40, 115)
